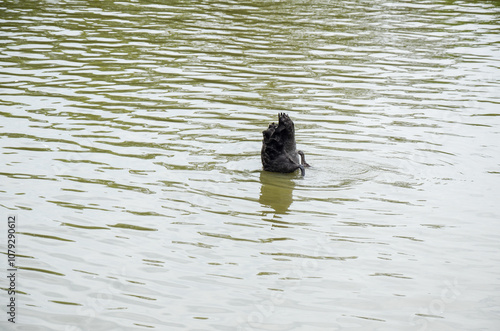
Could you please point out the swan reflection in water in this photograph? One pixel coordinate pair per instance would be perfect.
(276, 191)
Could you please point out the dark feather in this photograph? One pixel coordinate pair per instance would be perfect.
(279, 152)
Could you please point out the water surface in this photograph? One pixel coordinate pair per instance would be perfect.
(131, 135)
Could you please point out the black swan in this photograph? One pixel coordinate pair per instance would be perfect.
(278, 152)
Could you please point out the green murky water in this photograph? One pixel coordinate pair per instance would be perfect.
(130, 147)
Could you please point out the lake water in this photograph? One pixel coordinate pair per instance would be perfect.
(130, 155)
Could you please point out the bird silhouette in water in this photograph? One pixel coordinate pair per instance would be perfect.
(279, 153)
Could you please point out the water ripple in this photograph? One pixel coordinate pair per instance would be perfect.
(144, 119)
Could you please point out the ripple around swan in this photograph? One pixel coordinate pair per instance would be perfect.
(130, 139)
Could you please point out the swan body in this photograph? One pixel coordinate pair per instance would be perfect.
(279, 152)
